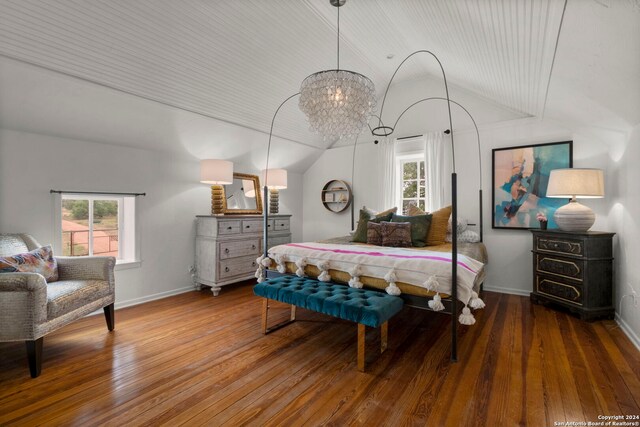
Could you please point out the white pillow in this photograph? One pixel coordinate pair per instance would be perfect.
(462, 225)
(467, 236)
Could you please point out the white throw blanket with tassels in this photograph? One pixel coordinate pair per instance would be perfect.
(423, 268)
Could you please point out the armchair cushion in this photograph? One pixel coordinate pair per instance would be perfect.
(67, 295)
(39, 261)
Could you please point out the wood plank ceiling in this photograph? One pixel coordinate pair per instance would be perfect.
(237, 60)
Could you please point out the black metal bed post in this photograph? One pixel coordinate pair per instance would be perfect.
(265, 208)
(454, 267)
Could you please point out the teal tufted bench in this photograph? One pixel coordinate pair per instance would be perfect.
(366, 308)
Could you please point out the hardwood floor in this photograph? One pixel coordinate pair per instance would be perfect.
(194, 359)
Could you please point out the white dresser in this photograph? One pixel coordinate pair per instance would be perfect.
(227, 246)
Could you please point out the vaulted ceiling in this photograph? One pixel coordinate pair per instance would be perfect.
(237, 60)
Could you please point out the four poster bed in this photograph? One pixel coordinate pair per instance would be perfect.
(446, 278)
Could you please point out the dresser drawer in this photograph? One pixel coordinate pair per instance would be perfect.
(237, 266)
(252, 226)
(561, 246)
(228, 227)
(239, 248)
(563, 267)
(281, 224)
(563, 290)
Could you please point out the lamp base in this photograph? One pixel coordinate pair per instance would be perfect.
(274, 197)
(574, 217)
(218, 204)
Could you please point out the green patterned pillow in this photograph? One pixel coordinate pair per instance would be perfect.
(419, 227)
(367, 215)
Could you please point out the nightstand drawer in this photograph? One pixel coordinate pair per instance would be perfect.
(238, 248)
(237, 266)
(562, 267)
(562, 246)
(567, 291)
(228, 227)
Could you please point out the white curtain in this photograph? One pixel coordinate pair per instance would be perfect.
(388, 174)
(437, 158)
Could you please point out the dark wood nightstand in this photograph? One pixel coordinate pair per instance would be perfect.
(574, 270)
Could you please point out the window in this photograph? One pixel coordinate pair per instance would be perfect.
(411, 181)
(98, 225)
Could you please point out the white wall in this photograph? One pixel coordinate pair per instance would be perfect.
(32, 164)
(624, 219)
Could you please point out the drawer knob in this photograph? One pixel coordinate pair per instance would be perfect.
(248, 226)
(253, 264)
(226, 250)
(253, 247)
(281, 225)
(229, 228)
(226, 269)
(269, 225)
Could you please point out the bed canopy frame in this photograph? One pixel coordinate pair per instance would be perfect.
(451, 303)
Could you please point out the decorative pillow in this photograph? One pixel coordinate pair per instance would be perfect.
(438, 230)
(367, 215)
(462, 225)
(419, 227)
(374, 233)
(413, 210)
(396, 234)
(467, 236)
(39, 261)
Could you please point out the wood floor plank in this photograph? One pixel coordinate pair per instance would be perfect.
(193, 359)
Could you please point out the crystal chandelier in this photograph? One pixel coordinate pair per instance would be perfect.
(337, 102)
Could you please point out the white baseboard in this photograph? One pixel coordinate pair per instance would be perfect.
(628, 331)
(153, 297)
(511, 291)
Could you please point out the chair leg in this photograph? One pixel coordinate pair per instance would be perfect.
(109, 316)
(34, 354)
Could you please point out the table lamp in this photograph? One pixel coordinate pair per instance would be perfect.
(217, 173)
(275, 180)
(575, 183)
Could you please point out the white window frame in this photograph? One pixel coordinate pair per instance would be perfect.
(401, 160)
(128, 231)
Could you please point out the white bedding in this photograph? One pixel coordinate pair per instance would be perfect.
(415, 267)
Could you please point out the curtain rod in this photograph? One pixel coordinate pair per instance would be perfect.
(96, 192)
(418, 136)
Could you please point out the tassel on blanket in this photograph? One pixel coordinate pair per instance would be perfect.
(260, 270)
(466, 318)
(282, 263)
(266, 262)
(324, 274)
(391, 278)
(301, 264)
(436, 303)
(355, 282)
(475, 302)
(431, 284)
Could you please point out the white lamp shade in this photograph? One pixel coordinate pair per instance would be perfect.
(276, 179)
(579, 183)
(214, 171)
(248, 187)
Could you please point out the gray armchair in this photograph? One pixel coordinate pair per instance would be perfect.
(30, 307)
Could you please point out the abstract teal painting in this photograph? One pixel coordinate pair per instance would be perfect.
(520, 178)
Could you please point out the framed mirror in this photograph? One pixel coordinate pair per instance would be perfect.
(243, 197)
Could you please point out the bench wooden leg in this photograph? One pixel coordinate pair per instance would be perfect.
(361, 335)
(384, 330)
(265, 315)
